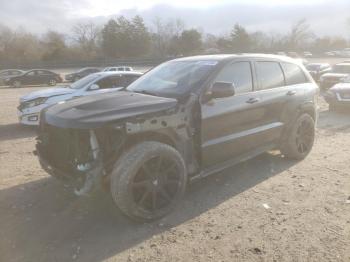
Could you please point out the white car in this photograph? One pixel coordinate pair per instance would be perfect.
(118, 68)
(32, 104)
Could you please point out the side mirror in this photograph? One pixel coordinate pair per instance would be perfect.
(222, 89)
(94, 87)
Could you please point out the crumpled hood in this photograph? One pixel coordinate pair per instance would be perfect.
(340, 87)
(96, 110)
(334, 75)
(47, 93)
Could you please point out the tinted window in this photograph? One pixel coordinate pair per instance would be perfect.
(32, 73)
(15, 73)
(41, 73)
(111, 82)
(293, 73)
(129, 79)
(270, 75)
(240, 74)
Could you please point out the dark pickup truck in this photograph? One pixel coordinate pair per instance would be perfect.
(182, 121)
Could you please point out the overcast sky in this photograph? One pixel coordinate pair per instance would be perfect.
(325, 16)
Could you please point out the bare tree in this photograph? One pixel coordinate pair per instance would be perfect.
(299, 35)
(86, 35)
(166, 35)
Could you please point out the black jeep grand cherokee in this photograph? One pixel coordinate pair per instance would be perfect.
(184, 120)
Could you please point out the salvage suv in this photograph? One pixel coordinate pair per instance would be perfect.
(183, 120)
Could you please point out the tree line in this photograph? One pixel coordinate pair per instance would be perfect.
(122, 38)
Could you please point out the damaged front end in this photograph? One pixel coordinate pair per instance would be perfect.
(77, 156)
(85, 154)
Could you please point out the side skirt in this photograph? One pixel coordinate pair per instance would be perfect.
(232, 162)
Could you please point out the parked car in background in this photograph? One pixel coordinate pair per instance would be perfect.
(330, 53)
(338, 73)
(31, 105)
(316, 70)
(8, 73)
(81, 73)
(307, 54)
(34, 77)
(281, 53)
(182, 121)
(118, 68)
(338, 96)
(293, 55)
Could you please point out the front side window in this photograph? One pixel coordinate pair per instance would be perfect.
(84, 81)
(129, 79)
(270, 75)
(293, 73)
(238, 73)
(111, 82)
(32, 73)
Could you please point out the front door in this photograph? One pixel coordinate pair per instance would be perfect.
(229, 124)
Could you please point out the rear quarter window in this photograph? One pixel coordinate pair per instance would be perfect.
(294, 74)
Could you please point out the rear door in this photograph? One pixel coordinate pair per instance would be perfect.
(43, 77)
(276, 95)
(229, 124)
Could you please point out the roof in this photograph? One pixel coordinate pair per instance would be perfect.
(222, 57)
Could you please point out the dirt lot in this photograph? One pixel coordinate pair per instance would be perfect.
(222, 218)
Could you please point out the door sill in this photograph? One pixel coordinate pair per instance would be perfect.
(232, 162)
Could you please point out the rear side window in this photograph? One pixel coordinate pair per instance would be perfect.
(240, 74)
(293, 73)
(270, 75)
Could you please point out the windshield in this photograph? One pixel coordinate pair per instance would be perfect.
(173, 78)
(342, 69)
(84, 81)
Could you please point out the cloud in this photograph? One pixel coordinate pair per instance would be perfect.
(325, 17)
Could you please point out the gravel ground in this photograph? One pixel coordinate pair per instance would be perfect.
(266, 209)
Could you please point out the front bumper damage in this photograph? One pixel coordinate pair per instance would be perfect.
(85, 175)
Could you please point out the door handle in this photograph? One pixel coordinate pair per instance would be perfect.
(252, 100)
(291, 93)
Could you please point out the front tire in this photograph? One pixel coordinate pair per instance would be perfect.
(148, 181)
(300, 138)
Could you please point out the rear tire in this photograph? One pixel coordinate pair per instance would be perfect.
(148, 181)
(300, 138)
